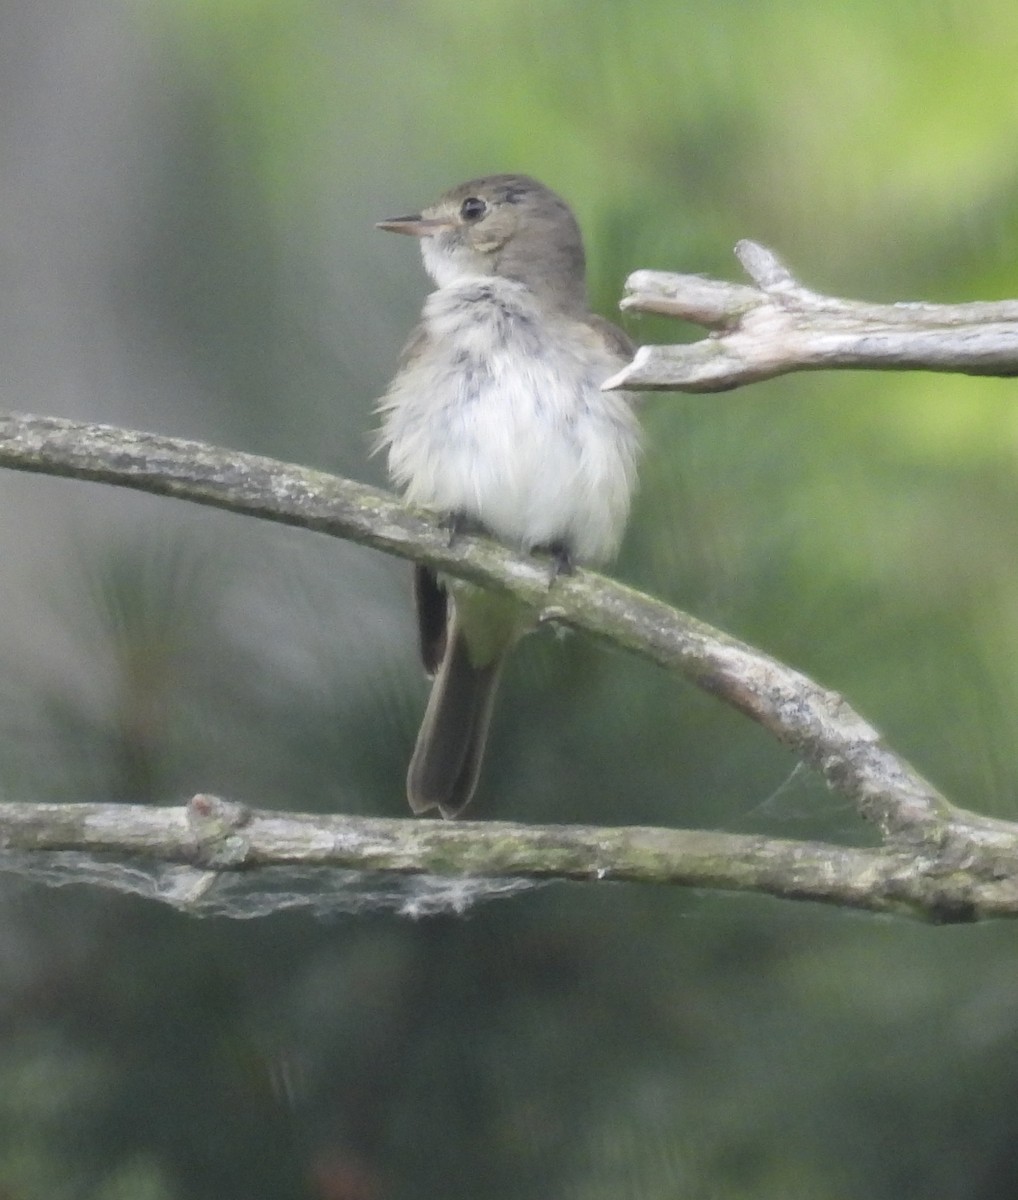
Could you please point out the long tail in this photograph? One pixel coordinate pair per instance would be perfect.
(446, 762)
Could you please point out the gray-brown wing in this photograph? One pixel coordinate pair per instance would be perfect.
(432, 605)
(616, 340)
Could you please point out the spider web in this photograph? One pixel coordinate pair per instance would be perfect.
(322, 891)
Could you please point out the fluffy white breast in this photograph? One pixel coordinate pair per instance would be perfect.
(500, 417)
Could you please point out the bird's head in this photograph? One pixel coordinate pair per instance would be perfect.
(505, 225)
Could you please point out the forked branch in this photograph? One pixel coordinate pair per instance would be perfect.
(778, 326)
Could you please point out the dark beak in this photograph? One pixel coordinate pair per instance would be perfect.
(415, 226)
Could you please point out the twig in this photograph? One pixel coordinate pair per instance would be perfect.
(779, 326)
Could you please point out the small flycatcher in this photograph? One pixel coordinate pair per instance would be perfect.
(496, 418)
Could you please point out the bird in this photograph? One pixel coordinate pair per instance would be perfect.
(496, 420)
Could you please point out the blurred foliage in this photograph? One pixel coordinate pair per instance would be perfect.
(188, 198)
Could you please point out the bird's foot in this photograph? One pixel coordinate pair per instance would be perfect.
(561, 560)
(457, 524)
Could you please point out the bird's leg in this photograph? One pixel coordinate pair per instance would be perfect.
(561, 560)
(457, 523)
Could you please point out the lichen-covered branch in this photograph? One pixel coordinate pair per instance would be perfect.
(939, 860)
(779, 326)
(217, 837)
(816, 723)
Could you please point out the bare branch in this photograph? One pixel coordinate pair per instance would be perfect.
(218, 837)
(816, 723)
(940, 861)
(778, 326)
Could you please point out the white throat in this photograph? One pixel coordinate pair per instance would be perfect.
(448, 265)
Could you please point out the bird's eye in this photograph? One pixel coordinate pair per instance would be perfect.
(473, 208)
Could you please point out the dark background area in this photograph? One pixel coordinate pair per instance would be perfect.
(187, 195)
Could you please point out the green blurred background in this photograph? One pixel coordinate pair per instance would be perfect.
(187, 193)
